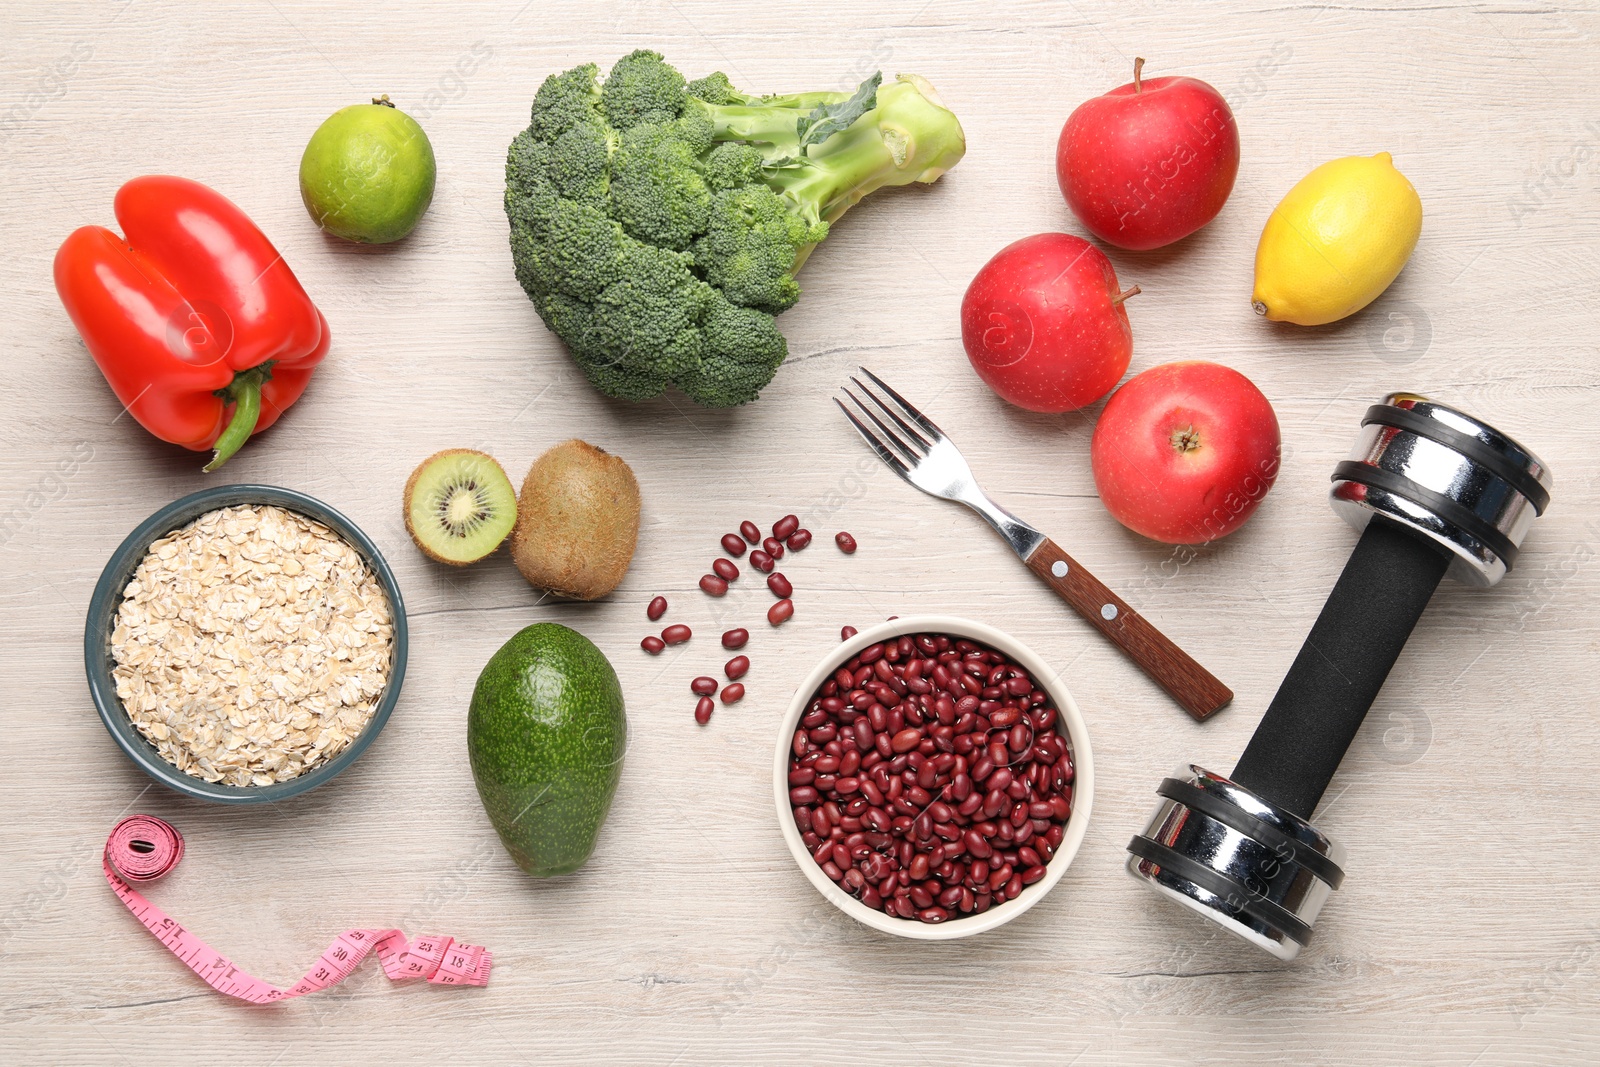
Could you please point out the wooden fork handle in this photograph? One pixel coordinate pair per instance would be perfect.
(1191, 685)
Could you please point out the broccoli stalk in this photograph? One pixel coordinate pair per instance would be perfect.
(657, 224)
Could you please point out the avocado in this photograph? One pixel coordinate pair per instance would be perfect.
(546, 734)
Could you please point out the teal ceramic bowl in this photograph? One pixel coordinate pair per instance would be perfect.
(107, 599)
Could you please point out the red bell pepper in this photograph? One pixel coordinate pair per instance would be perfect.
(200, 328)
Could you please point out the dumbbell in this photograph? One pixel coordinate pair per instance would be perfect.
(1433, 492)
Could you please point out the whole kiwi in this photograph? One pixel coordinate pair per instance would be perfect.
(577, 521)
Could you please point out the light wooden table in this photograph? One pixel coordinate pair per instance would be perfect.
(1469, 928)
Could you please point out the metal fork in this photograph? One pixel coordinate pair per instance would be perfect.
(919, 452)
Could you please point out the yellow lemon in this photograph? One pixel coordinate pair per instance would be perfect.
(1336, 241)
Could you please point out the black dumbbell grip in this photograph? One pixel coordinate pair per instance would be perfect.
(1358, 636)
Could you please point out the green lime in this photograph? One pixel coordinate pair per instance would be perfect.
(367, 173)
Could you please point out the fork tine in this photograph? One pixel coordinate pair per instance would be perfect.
(893, 461)
(912, 455)
(916, 416)
(910, 430)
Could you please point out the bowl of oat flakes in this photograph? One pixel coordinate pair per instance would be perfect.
(245, 644)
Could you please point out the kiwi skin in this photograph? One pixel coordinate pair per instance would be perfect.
(577, 521)
(411, 485)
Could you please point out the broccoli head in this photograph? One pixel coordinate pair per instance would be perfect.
(657, 223)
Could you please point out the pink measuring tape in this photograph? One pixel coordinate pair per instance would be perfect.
(142, 848)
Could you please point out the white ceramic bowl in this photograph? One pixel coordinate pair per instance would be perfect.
(1069, 722)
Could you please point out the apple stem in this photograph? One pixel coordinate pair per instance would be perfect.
(1138, 65)
(1117, 300)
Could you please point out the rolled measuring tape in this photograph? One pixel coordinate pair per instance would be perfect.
(142, 848)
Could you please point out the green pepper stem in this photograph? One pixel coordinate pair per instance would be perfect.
(245, 392)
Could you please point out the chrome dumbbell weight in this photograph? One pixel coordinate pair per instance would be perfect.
(1434, 492)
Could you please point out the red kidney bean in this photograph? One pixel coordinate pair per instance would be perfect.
(653, 645)
(847, 632)
(785, 526)
(760, 560)
(733, 544)
(846, 543)
(994, 803)
(751, 531)
(725, 569)
(780, 612)
(732, 639)
(773, 547)
(804, 794)
(737, 667)
(732, 694)
(702, 711)
(714, 585)
(798, 540)
(779, 585)
(975, 842)
(657, 608)
(703, 685)
(676, 634)
(906, 740)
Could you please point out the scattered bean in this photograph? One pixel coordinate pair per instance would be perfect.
(780, 612)
(703, 709)
(847, 632)
(780, 586)
(785, 526)
(773, 547)
(760, 560)
(676, 634)
(846, 543)
(725, 569)
(653, 645)
(798, 540)
(736, 668)
(751, 532)
(703, 685)
(657, 608)
(733, 693)
(714, 585)
(733, 544)
(735, 638)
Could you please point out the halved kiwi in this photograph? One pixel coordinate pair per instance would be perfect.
(459, 506)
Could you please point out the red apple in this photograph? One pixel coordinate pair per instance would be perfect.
(1043, 323)
(1149, 162)
(1185, 452)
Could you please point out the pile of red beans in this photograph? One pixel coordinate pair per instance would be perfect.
(928, 778)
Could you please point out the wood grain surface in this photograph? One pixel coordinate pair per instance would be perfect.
(1469, 926)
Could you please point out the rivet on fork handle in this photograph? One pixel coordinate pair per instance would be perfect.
(1198, 691)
